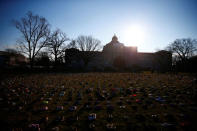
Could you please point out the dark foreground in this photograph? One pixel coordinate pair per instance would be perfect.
(98, 101)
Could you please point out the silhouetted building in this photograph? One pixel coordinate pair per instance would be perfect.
(117, 56)
(11, 59)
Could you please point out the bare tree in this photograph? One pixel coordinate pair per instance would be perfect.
(88, 43)
(72, 44)
(56, 44)
(183, 49)
(35, 31)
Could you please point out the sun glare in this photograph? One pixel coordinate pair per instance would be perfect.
(134, 35)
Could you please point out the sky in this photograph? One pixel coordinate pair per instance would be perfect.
(149, 24)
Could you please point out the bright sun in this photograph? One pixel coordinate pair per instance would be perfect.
(134, 35)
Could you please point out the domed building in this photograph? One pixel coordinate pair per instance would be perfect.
(117, 55)
(114, 45)
(115, 49)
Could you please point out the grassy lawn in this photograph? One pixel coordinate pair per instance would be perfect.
(99, 101)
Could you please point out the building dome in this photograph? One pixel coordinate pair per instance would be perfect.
(115, 38)
(113, 46)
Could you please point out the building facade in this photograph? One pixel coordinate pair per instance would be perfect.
(118, 56)
(11, 59)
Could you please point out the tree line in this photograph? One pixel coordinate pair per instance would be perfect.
(184, 54)
(37, 38)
